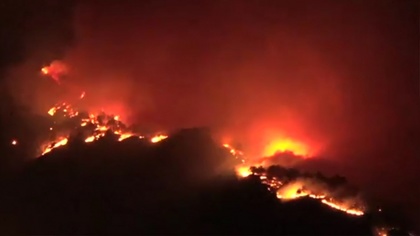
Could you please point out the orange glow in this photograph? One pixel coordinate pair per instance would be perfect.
(283, 145)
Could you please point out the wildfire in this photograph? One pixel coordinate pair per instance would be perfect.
(96, 126)
(293, 190)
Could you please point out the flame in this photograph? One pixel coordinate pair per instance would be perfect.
(97, 125)
(342, 208)
(243, 171)
(158, 138)
(52, 111)
(45, 70)
(284, 145)
(124, 136)
(55, 70)
(67, 109)
(90, 139)
(60, 142)
(292, 190)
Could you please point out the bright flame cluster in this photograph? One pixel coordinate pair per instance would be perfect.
(98, 125)
(289, 191)
(67, 110)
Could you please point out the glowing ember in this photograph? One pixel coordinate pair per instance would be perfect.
(236, 153)
(14, 142)
(284, 145)
(381, 231)
(232, 150)
(158, 138)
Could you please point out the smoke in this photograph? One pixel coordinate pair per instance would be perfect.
(337, 76)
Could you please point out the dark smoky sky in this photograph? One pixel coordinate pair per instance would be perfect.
(342, 76)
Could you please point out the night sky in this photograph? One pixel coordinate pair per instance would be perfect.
(340, 76)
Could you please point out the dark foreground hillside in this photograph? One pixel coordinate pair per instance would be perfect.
(184, 184)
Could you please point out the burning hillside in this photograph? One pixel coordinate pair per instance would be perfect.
(292, 186)
(92, 127)
(69, 123)
(88, 126)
